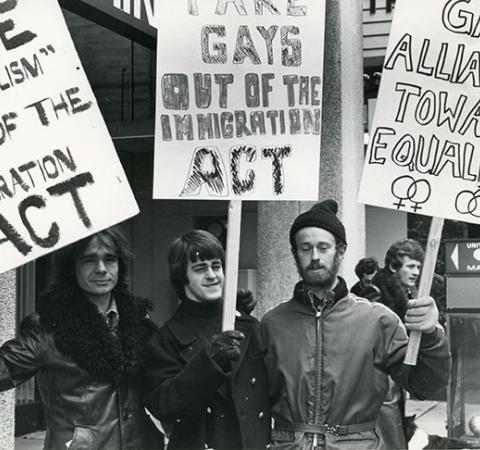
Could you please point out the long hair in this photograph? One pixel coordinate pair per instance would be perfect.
(401, 248)
(192, 246)
(80, 331)
(62, 283)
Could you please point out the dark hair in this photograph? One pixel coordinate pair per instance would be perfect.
(401, 248)
(192, 246)
(367, 265)
(63, 280)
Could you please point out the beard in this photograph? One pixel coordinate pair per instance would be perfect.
(318, 275)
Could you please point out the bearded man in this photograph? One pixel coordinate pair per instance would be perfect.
(329, 353)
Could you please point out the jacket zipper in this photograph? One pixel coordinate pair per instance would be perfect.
(318, 365)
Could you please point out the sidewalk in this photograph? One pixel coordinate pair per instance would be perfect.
(431, 418)
(32, 441)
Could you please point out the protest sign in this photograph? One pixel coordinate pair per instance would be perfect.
(239, 96)
(60, 178)
(423, 154)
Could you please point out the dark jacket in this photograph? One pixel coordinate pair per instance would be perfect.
(92, 412)
(330, 365)
(207, 407)
(357, 288)
(386, 289)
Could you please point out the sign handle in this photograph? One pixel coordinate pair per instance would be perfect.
(231, 264)
(431, 252)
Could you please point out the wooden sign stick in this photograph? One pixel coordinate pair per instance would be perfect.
(431, 252)
(231, 264)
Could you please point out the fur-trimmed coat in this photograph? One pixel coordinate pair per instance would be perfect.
(387, 289)
(88, 378)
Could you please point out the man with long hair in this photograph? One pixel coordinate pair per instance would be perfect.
(206, 384)
(86, 346)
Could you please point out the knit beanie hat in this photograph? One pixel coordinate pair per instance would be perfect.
(322, 215)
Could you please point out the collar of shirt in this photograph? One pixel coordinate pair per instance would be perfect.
(112, 307)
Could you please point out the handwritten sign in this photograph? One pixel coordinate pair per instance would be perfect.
(239, 99)
(423, 154)
(60, 179)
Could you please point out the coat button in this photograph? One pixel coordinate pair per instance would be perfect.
(253, 381)
(260, 415)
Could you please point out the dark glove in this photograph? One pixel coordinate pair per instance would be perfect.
(245, 301)
(224, 348)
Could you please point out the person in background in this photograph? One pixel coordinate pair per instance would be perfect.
(206, 385)
(86, 346)
(394, 285)
(396, 282)
(365, 270)
(329, 353)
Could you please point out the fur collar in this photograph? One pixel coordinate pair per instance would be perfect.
(80, 332)
(392, 293)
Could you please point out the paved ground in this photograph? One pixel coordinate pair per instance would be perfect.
(431, 417)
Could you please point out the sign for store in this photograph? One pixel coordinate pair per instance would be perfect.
(462, 257)
(423, 154)
(239, 97)
(60, 178)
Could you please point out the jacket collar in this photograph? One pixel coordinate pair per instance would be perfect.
(392, 294)
(179, 325)
(80, 332)
(306, 296)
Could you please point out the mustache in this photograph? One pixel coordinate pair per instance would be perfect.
(314, 265)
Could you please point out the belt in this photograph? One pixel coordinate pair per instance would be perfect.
(338, 430)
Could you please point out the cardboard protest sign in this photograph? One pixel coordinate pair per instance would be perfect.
(423, 154)
(60, 178)
(239, 94)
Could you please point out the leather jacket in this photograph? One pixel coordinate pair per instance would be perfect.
(81, 411)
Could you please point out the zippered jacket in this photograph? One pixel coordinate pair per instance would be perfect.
(327, 368)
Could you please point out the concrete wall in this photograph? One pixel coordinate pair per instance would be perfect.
(383, 227)
(341, 160)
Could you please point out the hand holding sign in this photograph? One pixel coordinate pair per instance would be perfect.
(422, 315)
(423, 154)
(240, 117)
